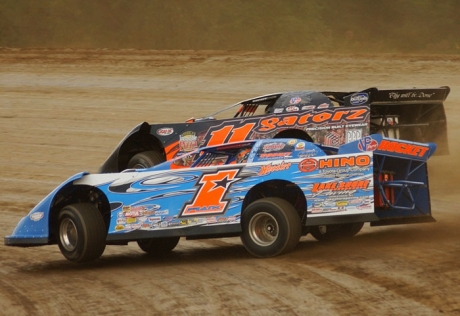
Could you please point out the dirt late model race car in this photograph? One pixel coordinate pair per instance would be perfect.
(327, 118)
(269, 192)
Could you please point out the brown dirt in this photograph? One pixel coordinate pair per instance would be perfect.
(63, 111)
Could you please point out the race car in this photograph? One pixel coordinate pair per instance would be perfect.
(269, 192)
(326, 118)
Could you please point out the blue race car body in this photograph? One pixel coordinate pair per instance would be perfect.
(267, 191)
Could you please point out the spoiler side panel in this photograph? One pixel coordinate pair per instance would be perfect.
(401, 189)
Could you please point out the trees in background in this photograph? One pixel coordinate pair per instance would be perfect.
(314, 25)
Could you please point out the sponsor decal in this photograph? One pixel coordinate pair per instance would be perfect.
(138, 208)
(293, 120)
(292, 142)
(188, 141)
(359, 98)
(131, 220)
(353, 134)
(316, 210)
(367, 144)
(323, 106)
(136, 226)
(273, 147)
(119, 227)
(308, 107)
(154, 219)
(267, 169)
(360, 161)
(211, 220)
(174, 223)
(201, 221)
(403, 148)
(162, 212)
(411, 94)
(274, 155)
(364, 206)
(121, 221)
(36, 216)
(292, 109)
(295, 100)
(333, 139)
(340, 186)
(310, 164)
(138, 211)
(341, 203)
(278, 110)
(133, 214)
(308, 153)
(165, 131)
(300, 146)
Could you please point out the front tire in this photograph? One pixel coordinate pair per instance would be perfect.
(271, 227)
(146, 159)
(82, 232)
(158, 246)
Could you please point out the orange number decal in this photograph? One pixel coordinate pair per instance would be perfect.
(209, 198)
(236, 134)
(218, 137)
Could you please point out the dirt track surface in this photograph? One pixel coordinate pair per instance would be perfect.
(63, 111)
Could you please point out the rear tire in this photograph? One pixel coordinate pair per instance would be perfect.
(145, 159)
(333, 232)
(82, 232)
(158, 246)
(271, 227)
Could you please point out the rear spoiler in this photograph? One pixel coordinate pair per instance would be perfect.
(413, 114)
(401, 190)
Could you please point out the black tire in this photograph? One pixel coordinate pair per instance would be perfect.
(271, 227)
(158, 246)
(333, 232)
(145, 159)
(82, 232)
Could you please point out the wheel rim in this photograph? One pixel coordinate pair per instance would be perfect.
(263, 229)
(68, 234)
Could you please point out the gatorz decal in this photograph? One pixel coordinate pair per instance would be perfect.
(272, 123)
(209, 198)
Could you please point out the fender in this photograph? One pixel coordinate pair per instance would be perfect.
(33, 229)
(111, 164)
